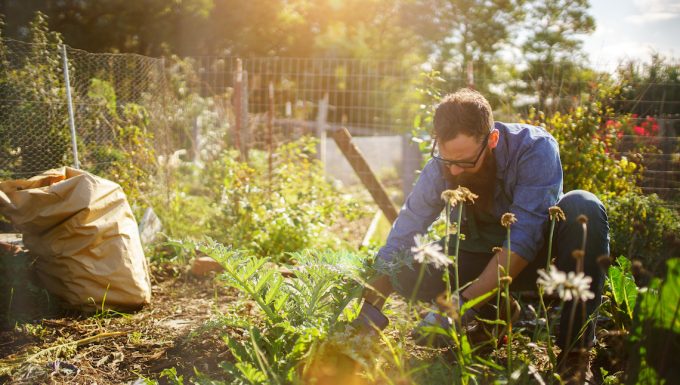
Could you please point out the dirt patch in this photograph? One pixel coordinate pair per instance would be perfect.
(180, 330)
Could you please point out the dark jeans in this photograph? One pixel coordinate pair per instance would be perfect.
(567, 238)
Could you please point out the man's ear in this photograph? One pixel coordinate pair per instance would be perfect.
(493, 138)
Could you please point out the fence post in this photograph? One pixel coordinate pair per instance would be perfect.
(321, 118)
(270, 123)
(245, 127)
(238, 85)
(69, 103)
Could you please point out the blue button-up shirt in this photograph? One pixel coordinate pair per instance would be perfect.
(528, 182)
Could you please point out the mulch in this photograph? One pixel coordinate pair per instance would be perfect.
(178, 330)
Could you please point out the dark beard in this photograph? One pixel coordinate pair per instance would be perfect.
(481, 183)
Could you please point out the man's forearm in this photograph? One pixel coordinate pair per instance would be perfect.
(488, 279)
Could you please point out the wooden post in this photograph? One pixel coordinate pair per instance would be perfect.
(356, 159)
(270, 122)
(238, 84)
(245, 126)
(321, 119)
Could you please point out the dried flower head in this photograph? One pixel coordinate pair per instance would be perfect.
(506, 281)
(453, 228)
(582, 219)
(556, 214)
(578, 254)
(568, 286)
(496, 250)
(459, 195)
(467, 195)
(451, 196)
(508, 219)
(604, 261)
(429, 253)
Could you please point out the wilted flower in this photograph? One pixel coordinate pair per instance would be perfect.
(567, 285)
(556, 214)
(496, 249)
(430, 253)
(578, 254)
(506, 281)
(451, 196)
(459, 195)
(508, 219)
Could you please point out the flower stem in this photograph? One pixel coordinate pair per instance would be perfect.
(508, 312)
(447, 279)
(421, 273)
(455, 252)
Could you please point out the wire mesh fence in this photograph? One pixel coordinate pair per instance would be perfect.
(106, 90)
(196, 107)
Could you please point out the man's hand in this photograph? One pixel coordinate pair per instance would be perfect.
(488, 279)
(370, 319)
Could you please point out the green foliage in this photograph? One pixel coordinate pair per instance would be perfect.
(642, 227)
(296, 314)
(554, 74)
(655, 339)
(644, 82)
(586, 161)
(622, 292)
(238, 204)
(34, 133)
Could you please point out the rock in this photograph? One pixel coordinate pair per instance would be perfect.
(204, 265)
(149, 227)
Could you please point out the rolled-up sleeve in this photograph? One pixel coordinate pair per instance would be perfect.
(538, 187)
(419, 211)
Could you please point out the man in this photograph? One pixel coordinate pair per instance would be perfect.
(513, 168)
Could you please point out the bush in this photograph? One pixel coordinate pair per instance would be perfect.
(237, 203)
(642, 228)
(585, 140)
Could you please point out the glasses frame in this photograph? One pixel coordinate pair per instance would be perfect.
(459, 163)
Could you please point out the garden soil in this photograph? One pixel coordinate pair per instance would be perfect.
(114, 348)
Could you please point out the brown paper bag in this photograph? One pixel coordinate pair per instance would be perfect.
(83, 231)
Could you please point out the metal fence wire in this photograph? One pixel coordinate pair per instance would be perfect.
(199, 106)
(34, 117)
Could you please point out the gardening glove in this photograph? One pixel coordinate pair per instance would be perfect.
(370, 319)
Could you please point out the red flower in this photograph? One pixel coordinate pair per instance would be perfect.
(639, 130)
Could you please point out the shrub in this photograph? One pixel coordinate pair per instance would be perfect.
(584, 141)
(642, 228)
(238, 204)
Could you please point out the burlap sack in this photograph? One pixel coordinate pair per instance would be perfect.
(83, 231)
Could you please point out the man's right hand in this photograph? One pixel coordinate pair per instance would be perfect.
(370, 319)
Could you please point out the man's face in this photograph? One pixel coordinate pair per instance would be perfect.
(467, 149)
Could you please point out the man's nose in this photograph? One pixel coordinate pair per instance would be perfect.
(456, 170)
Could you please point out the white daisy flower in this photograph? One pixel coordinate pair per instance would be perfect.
(568, 286)
(430, 253)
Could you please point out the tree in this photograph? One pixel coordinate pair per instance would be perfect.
(471, 33)
(553, 51)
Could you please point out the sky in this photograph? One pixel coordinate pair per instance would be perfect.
(632, 29)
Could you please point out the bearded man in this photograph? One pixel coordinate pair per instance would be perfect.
(513, 168)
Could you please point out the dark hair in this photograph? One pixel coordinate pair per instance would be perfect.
(466, 112)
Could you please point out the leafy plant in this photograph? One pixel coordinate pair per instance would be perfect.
(239, 204)
(296, 315)
(643, 228)
(656, 333)
(622, 290)
(587, 162)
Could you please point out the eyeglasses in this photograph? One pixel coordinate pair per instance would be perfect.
(434, 153)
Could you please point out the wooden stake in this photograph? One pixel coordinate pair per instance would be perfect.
(356, 159)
